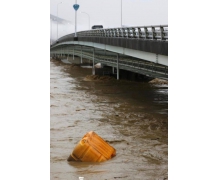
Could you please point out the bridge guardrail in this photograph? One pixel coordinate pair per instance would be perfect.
(159, 32)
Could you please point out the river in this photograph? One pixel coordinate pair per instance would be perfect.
(131, 116)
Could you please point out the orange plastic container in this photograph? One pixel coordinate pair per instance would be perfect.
(92, 148)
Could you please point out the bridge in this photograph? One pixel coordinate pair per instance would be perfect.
(139, 50)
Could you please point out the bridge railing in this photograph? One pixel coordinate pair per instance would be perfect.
(159, 32)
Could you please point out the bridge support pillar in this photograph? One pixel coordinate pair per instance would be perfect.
(93, 62)
(81, 55)
(117, 69)
(70, 59)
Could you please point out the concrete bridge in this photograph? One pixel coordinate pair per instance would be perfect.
(138, 50)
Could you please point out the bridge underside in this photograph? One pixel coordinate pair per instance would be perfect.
(117, 57)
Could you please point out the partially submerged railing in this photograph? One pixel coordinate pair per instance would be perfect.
(159, 32)
(125, 62)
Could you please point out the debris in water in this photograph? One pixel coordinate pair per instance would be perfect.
(92, 148)
(80, 109)
(158, 81)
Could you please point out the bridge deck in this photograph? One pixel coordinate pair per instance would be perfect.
(143, 50)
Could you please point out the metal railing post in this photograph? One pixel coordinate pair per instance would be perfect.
(133, 32)
(146, 32)
(123, 32)
(73, 51)
(139, 33)
(161, 33)
(153, 32)
(129, 34)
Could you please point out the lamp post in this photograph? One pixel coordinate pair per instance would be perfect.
(57, 17)
(89, 18)
(76, 21)
(51, 31)
(121, 13)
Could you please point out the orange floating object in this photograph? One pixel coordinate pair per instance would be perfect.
(92, 148)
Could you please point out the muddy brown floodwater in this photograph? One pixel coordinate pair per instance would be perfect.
(131, 116)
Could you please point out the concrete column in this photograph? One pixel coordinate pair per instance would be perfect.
(70, 59)
(113, 70)
(93, 62)
(117, 69)
(81, 54)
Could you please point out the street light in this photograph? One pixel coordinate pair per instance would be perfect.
(121, 13)
(57, 17)
(51, 31)
(89, 18)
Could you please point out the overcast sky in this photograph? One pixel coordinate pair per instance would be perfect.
(108, 14)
